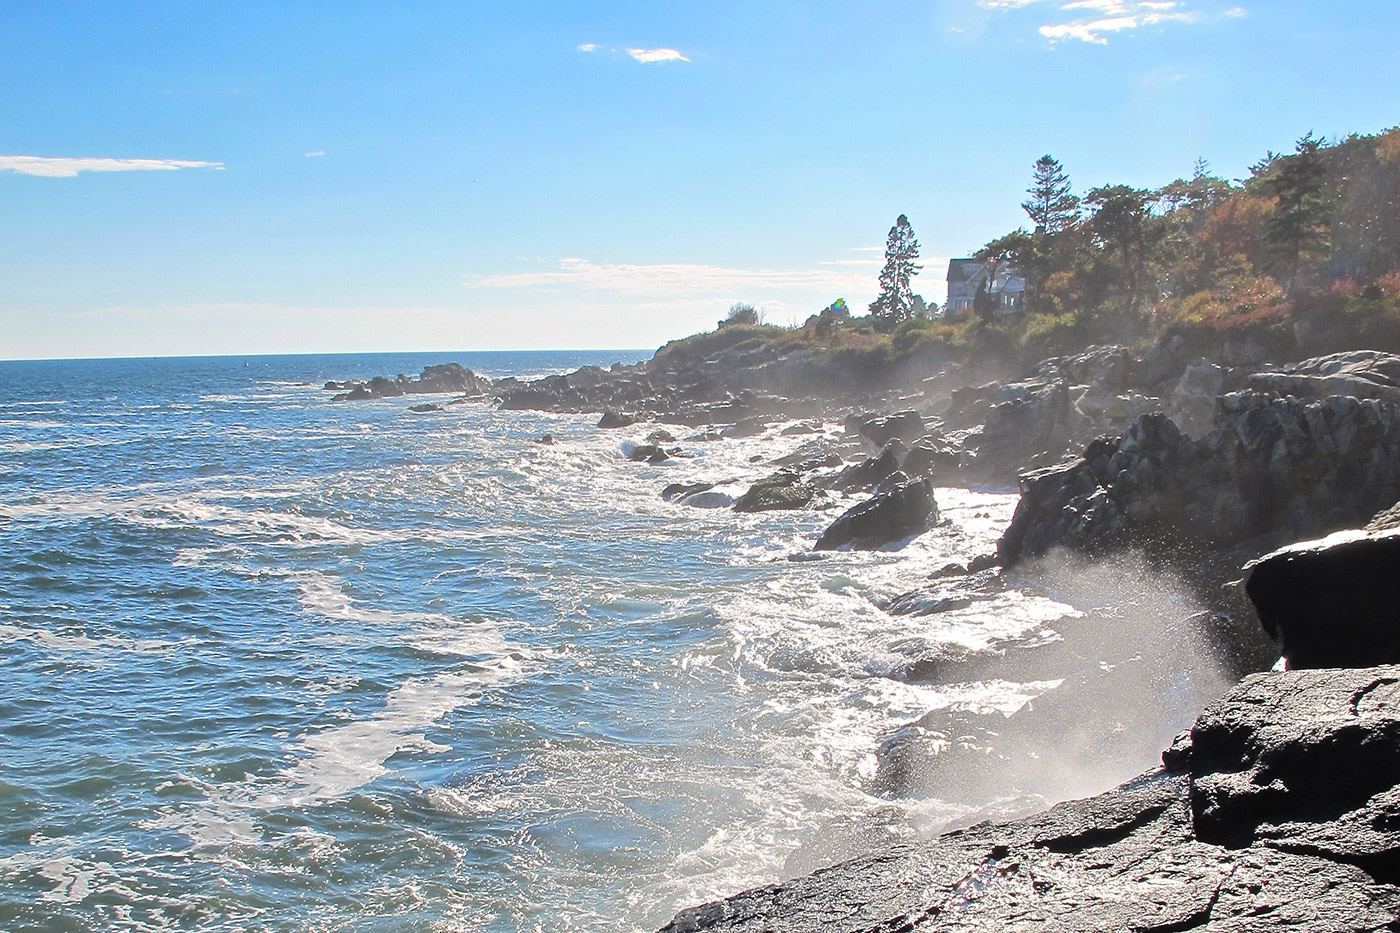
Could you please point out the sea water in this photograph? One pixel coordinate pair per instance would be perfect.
(274, 662)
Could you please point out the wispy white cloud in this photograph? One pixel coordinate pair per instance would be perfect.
(65, 167)
(657, 55)
(684, 280)
(588, 47)
(314, 153)
(1093, 21)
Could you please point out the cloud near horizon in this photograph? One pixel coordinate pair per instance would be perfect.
(68, 167)
(684, 280)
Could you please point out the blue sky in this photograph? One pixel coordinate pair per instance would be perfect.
(304, 177)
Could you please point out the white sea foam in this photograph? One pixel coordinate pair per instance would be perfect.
(79, 642)
(336, 761)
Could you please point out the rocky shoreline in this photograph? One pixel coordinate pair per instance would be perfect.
(1281, 806)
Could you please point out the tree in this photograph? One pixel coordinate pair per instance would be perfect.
(1119, 228)
(896, 300)
(983, 304)
(1297, 226)
(1016, 249)
(1051, 206)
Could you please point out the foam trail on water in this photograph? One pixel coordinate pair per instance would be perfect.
(337, 761)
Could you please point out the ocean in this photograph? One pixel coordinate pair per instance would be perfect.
(273, 662)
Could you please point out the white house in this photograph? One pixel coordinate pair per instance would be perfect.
(1006, 286)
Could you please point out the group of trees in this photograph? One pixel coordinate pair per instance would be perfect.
(1311, 232)
(1305, 253)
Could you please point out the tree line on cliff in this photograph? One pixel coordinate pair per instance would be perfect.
(1305, 252)
(1301, 258)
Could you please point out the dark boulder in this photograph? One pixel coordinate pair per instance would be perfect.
(870, 471)
(650, 453)
(904, 425)
(384, 387)
(1333, 602)
(444, 378)
(1306, 761)
(448, 377)
(425, 407)
(616, 419)
(782, 490)
(674, 491)
(934, 457)
(900, 512)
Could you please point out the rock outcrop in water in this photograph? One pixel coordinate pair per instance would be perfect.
(434, 380)
(782, 490)
(1279, 809)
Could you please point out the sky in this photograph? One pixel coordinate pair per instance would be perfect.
(188, 178)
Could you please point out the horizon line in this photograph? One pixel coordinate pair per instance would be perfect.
(257, 356)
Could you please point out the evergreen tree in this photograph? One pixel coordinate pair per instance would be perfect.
(1297, 226)
(1119, 229)
(1051, 207)
(896, 300)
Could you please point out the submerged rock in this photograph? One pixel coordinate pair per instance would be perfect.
(903, 510)
(674, 491)
(709, 499)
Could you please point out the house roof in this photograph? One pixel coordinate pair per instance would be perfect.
(961, 270)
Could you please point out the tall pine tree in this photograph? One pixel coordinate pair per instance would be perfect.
(1296, 229)
(1051, 206)
(896, 300)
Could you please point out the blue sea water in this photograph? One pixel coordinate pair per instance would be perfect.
(273, 662)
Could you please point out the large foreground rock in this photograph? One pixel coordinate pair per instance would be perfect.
(1280, 811)
(1333, 602)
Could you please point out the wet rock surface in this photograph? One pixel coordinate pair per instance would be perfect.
(1281, 812)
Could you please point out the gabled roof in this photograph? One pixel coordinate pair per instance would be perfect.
(962, 270)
